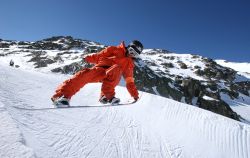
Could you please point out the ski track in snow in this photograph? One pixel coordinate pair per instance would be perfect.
(153, 127)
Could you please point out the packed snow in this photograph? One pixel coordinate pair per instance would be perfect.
(154, 127)
(209, 98)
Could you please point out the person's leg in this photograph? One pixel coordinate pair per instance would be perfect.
(71, 86)
(113, 76)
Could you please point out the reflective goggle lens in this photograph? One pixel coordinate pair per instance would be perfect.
(132, 52)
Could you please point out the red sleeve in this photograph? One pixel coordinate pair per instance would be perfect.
(94, 58)
(130, 84)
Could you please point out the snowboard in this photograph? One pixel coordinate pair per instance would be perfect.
(79, 106)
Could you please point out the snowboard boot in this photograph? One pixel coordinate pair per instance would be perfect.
(103, 100)
(114, 101)
(61, 102)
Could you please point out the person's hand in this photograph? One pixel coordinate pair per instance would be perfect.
(136, 99)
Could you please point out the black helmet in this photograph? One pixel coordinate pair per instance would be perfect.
(136, 45)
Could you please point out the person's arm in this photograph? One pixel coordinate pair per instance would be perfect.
(130, 84)
(94, 58)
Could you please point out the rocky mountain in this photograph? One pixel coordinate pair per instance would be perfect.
(188, 78)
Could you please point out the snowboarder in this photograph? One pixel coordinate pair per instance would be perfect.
(110, 64)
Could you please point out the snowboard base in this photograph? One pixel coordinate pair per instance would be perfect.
(80, 106)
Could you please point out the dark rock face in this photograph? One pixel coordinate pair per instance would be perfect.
(169, 57)
(146, 80)
(22, 43)
(41, 45)
(69, 69)
(194, 88)
(168, 65)
(191, 88)
(199, 72)
(210, 73)
(219, 107)
(242, 87)
(183, 65)
(4, 45)
(60, 43)
(40, 61)
(197, 67)
(72, 68)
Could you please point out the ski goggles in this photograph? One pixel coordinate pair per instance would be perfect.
(133, 51)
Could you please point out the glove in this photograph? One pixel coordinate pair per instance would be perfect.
(136, 99)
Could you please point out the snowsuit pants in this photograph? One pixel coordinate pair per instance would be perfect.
(110, 77)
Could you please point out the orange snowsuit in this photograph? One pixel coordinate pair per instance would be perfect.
(110, 64)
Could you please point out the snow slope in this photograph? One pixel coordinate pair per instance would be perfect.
(153, 127)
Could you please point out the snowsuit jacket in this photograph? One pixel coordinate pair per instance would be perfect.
(116, 55)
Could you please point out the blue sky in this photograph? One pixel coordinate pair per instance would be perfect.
(211, 28)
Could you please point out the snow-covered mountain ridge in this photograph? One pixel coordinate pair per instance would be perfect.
(243, 68)
(154, 127)
(187, 78)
